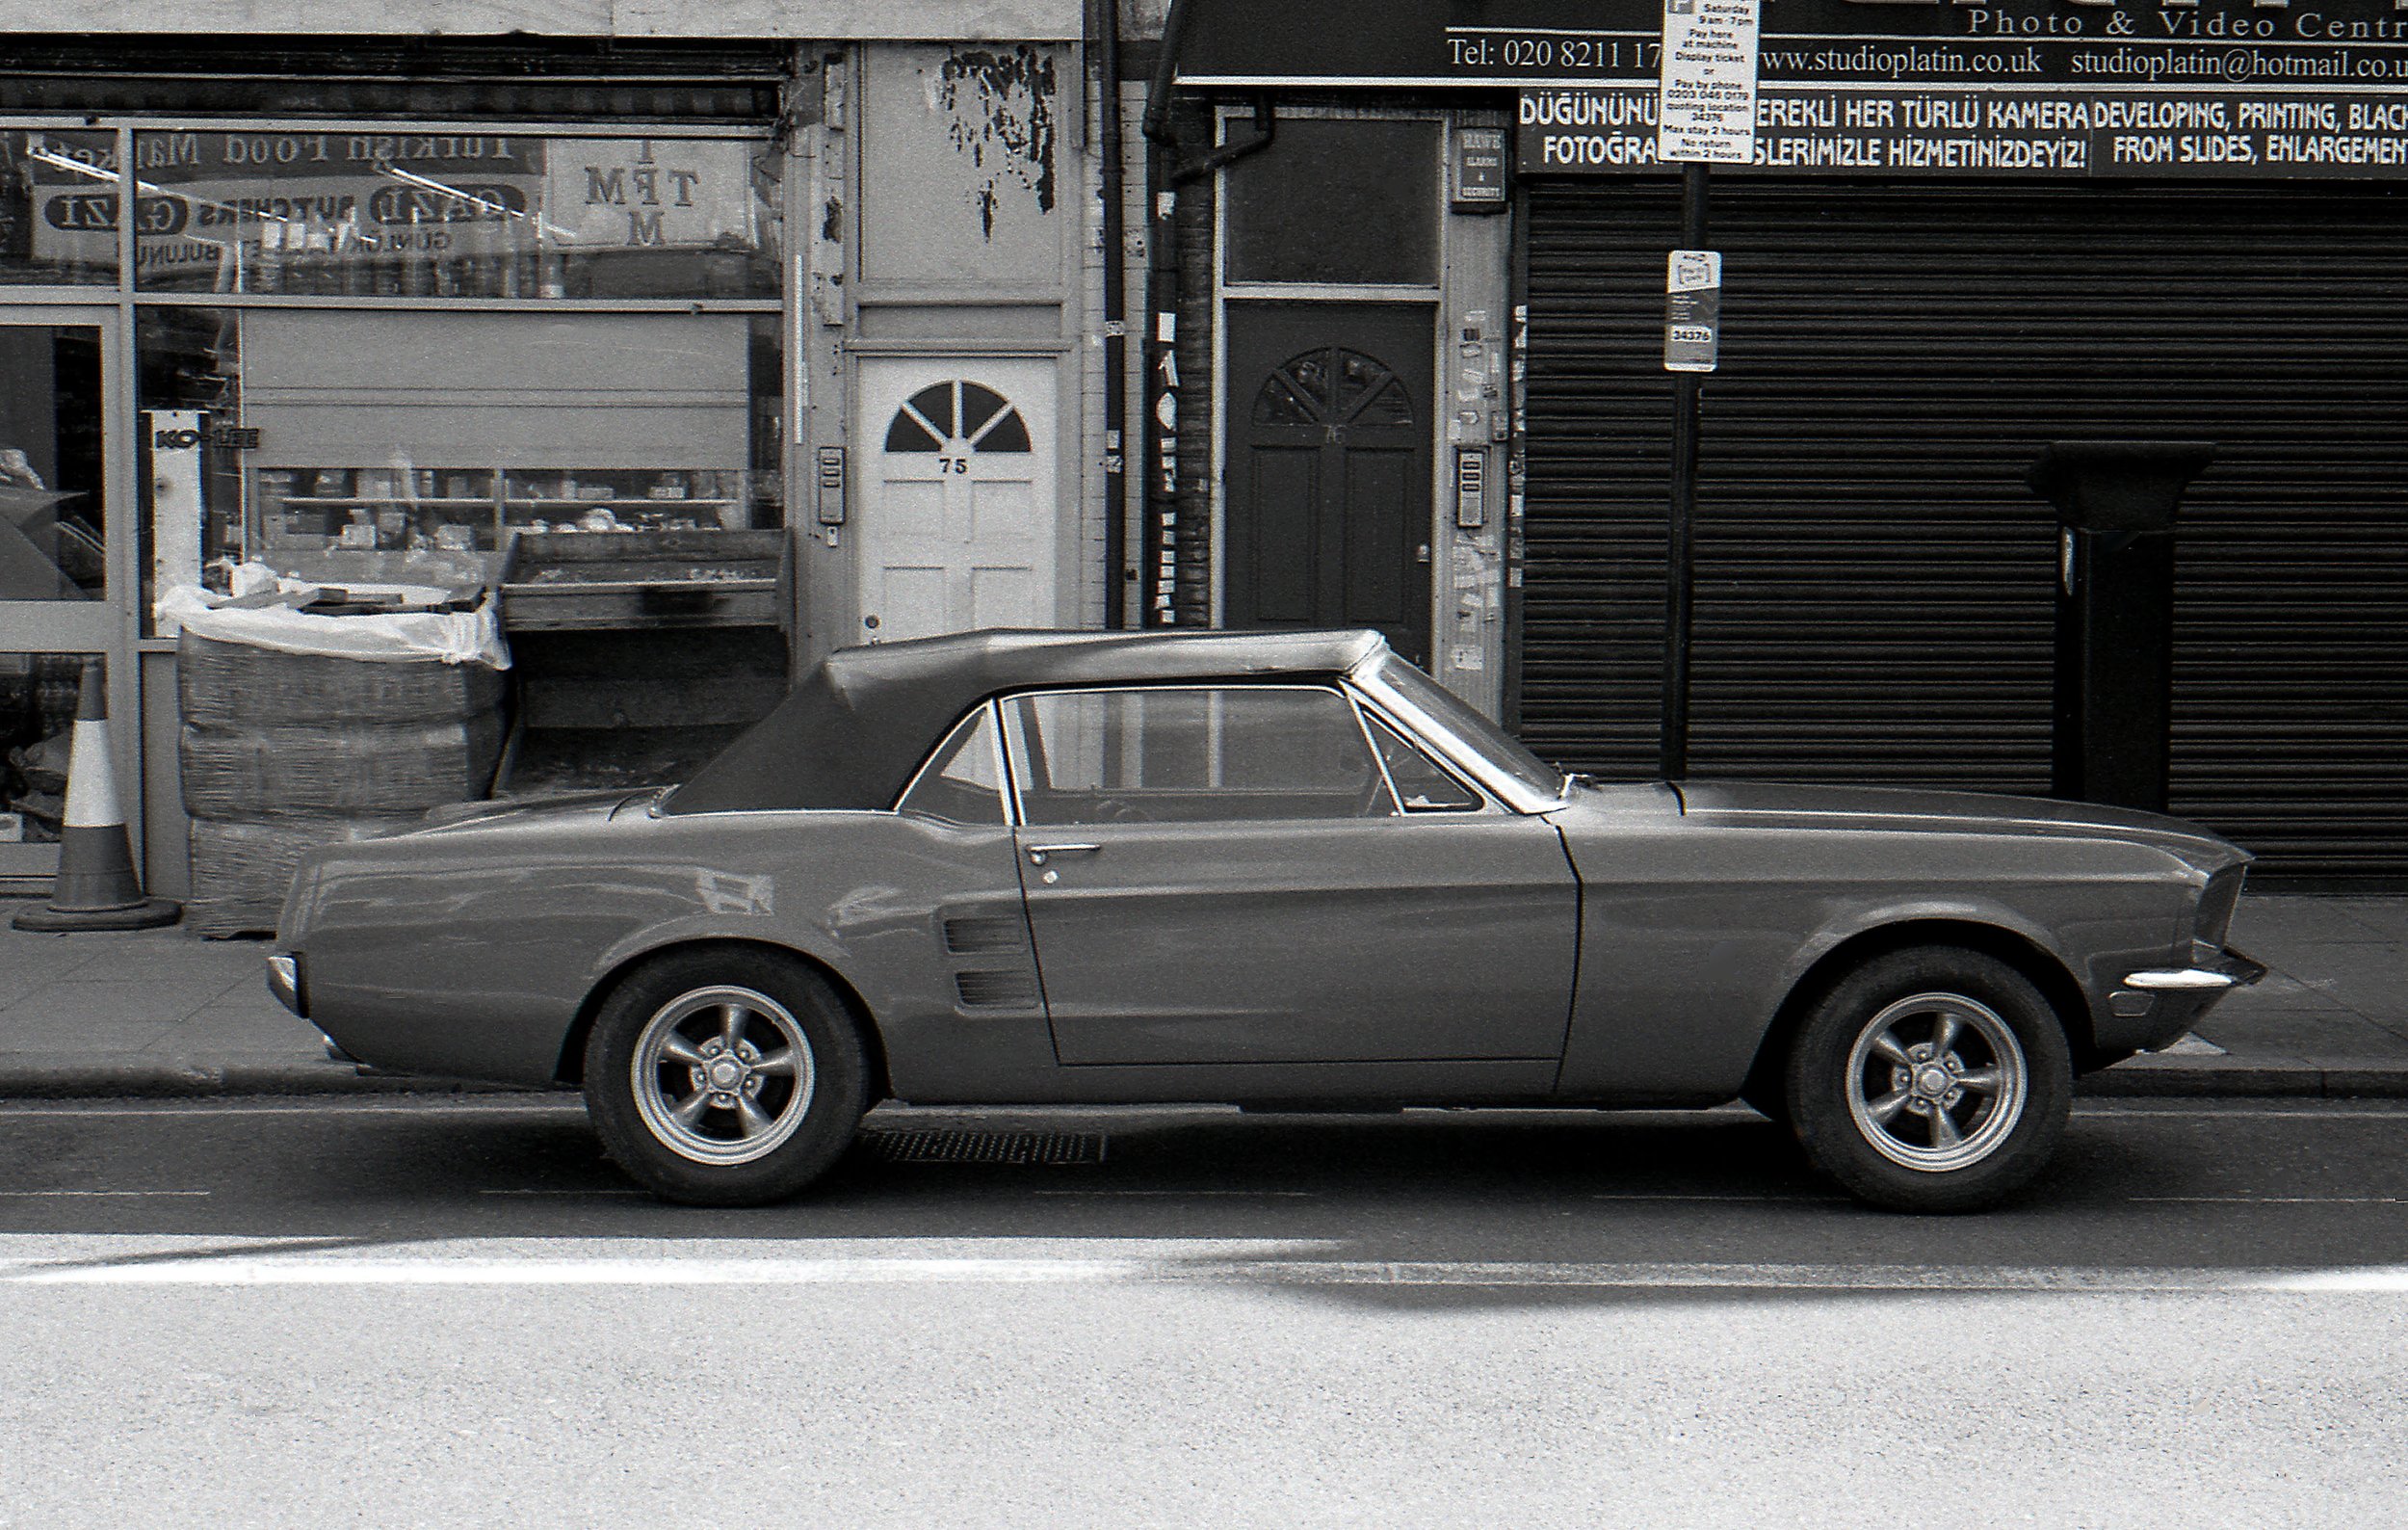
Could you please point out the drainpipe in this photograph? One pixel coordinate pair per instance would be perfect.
(1104, 42)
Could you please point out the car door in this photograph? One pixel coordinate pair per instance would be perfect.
(1225, 874)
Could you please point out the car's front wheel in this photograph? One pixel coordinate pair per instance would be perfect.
(1934, 1079)
(724, 1077)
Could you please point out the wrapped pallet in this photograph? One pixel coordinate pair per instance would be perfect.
(301, 730)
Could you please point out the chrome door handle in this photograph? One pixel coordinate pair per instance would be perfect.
(1038, 855)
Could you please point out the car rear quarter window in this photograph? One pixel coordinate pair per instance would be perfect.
(1192, 755)
(962, 782)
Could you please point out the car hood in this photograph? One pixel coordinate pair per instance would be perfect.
(1781, 805)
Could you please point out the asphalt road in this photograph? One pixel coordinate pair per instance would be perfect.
(390, 1313)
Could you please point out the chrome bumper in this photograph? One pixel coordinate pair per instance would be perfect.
(284, 982)
(2231, 970)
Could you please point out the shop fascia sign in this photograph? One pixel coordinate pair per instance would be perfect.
(201, 195)
(1975, 44)
(2240, 89)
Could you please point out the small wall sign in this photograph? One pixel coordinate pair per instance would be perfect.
(1692, 310)
(1480, 171)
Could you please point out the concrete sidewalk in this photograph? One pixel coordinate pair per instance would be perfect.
(163, 1013)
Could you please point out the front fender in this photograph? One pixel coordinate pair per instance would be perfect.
(1692, 939)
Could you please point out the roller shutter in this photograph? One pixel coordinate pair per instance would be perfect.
(1874, 595)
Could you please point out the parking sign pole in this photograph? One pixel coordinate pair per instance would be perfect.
(1673, 746)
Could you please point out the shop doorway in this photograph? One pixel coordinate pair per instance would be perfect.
(64, 574)
(958, 513)
(1329, 430)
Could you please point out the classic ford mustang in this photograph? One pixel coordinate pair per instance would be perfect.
(1268, 869)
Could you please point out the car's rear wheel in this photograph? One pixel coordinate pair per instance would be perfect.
(1934, 1079)
(725, 1077)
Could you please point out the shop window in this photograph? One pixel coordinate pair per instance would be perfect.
(411, 445)
(59, 207)
(53, 526)
(455, 215)
(1337, 201)
(962, 160)
(38, 697)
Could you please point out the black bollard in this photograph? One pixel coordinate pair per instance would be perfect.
(2116, 503)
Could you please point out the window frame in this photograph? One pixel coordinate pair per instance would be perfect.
(990, 710)
(1005, 740)
(1482, 801)
(1009, 748)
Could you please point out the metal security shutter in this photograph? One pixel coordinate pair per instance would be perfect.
(1874, 595)
(1599, 444)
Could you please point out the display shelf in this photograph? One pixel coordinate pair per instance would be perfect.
(582, 580)
(396, 509)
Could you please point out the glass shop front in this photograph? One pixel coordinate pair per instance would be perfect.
(365, 358)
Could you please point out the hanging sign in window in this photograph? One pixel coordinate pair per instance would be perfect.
(1707, 92)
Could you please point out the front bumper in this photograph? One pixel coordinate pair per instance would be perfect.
(2152, 1008)
(284, 981)
(2229, 969)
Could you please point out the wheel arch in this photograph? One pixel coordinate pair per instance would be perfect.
(2050, 975)
(570, 1067)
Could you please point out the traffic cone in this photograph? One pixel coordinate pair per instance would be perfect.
(98, 889)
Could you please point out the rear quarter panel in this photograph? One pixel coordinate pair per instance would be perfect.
(467, 952)
(1693, 933)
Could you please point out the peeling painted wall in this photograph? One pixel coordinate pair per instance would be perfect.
(997, 108)
(962, 165)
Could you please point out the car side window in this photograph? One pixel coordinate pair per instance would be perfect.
(960, 783)
(1421, 785)
(1192, 755)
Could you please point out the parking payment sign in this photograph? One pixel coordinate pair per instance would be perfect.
(1693, 309)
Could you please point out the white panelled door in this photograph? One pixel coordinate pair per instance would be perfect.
(958, 510)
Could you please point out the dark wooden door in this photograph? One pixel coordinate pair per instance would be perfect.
(1330, 430)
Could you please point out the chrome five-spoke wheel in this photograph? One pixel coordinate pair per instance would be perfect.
(1933, 1078)
(1936, 1082)
(724, 1074)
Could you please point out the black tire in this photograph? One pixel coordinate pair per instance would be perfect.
(761, 1132)
(1863, 1081)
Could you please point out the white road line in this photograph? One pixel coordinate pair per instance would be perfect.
(203, 1109)
(803, 1272)
(2272, 1200)
(2309, 1112)
(17, 1195)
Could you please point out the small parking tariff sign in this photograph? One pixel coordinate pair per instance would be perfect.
(1693, 309)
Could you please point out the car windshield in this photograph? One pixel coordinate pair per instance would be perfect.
(1474, 733)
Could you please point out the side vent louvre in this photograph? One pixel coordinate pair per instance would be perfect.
(997, 990)
(975, 936)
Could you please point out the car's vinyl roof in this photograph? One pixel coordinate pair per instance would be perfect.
(859, 721)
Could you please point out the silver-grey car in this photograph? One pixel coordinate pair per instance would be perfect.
(1263, 868)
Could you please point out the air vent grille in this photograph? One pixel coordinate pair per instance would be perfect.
(976, 935)
(997, 990)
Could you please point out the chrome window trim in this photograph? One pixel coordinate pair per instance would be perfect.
(1441, 741)
(1380, 761)
(1003, 791)
(1488, 803)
